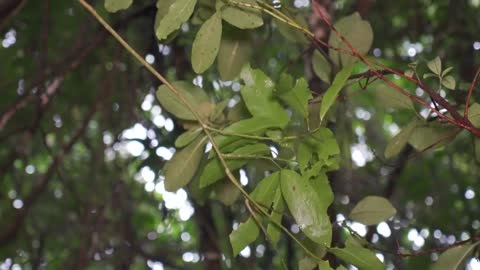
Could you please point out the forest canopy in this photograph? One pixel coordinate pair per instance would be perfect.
(240, 134)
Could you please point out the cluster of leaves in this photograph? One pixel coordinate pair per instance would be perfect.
(283, 116)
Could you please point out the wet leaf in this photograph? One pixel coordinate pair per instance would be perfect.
(207, 43)
(308, 209)
(178, 13)
(372, 210)
(183, 165)
(332, 92)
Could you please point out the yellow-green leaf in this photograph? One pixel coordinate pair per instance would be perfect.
(207, 43)
(372, 210)
(183, 165)
(332, 92)
(474, 114)
(449, 82)
(454, 258)
(178, 13)
(116, 5)
(435, 66)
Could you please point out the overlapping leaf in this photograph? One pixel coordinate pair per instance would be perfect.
(233, 55)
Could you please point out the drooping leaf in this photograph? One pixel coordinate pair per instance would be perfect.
(362, 258)
(193, 94)
(258, 97)
(246, 233)
(392, 98)
(214, 170)
(454, 258)
(298, 97)
(178, 13)
(187, 137)
(372, 210)
(435, 66)
(116, 5)
(243, 17)
(449, 82)
(357, 32)
(398, 142)
(308, 209)
(183, 165)
(321, 66)
(233, 55)
(207, 43)
(332, 92)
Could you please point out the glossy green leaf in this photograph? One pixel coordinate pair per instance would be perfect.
(357, 32)
(308, 209)
(178, 13)
(273, 231)
(372, 210)
(449, 82)
(392, 98)
(398, 142)
(298, 97)
(183, 165)
(454, 258)
(214, 170)
(332, 92)
(361, 257)
(233, 55)
(258, 97)
(117, 5)
(246, 233)
(207, 43)
(193, 94)
(239, 16)
(321, 66)
(187, 137)
(435, 66)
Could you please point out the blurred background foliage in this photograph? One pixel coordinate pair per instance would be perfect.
(83, 140)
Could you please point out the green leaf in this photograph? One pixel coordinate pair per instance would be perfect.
(266, 189)
(357, 32)
(308, 209)
(398, 142)
(306, 263)
(389, 97)
(207, 43)
(258, 97)
(332, 92)
(162, 10)
(409, 72)
(178, 13)
(429, 75)
(446, 71)
(431, 135)
(183, 165)
(290, 33)
(435, 66)
(250, 126)
(246, 233)
(214, 170)
(321, 66)
(226, 192)
(324, 265)
(372, 210)
(454, 258)
(116, 5)
(273, 231)
(474, 114)
(193, 94)
(298, 97)
(449, 82)
(477, 149)
(187, 137)
(233, 55)
(241, 17)
(358, 256)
